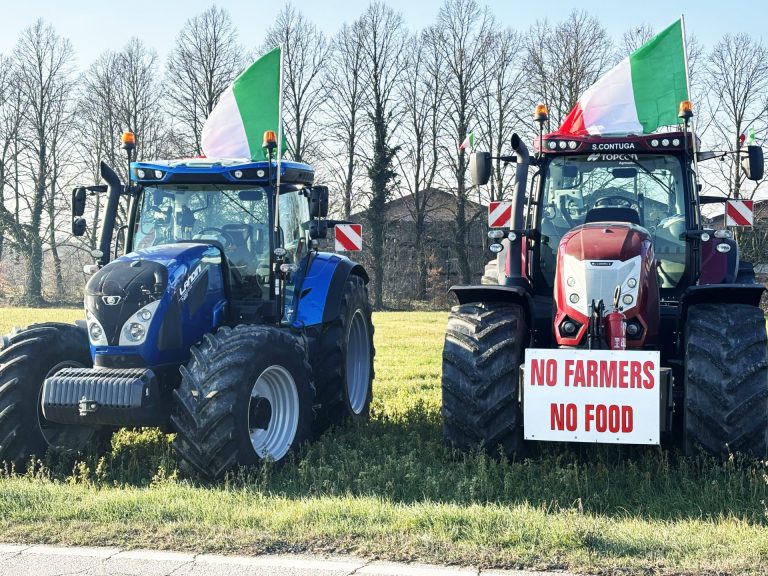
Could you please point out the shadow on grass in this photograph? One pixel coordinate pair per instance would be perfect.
(401, 458)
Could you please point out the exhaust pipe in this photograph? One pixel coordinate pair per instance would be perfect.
(110, 215)
(515, 277)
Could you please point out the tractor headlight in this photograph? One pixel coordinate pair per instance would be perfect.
(96, 334)
(95, 331)
(632, 282)
(135, 329)
(136, 332)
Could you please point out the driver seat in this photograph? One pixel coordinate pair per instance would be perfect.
(612, 214)
(241, 235)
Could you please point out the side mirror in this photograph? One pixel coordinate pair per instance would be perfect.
(78, 201)
(753, 164)
(318, 229)
(318, 202)
(480, 167)
(78, 226)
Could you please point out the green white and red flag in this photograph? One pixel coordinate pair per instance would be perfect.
(469, 142)
(640, 94)
(246, 109)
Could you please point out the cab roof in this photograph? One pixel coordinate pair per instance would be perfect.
(219, 171)
(556, 143)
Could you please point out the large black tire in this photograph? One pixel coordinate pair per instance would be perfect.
(27, 358)
(483, 350)
(343, 362)
(213, 413)
(726, 380)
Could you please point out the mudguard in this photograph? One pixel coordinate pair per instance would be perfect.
(491, 293)
(721, 294)
(322, 287)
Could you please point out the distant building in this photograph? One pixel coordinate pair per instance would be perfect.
(403, 282)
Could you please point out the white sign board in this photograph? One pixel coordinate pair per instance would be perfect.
(592, 396)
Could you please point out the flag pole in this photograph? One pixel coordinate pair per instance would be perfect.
(279, 145)
(693, 120)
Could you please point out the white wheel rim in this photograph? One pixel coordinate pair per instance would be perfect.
(273, 413)
(358, 362)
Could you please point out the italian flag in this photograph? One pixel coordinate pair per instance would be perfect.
(251, 105)
(641, 93)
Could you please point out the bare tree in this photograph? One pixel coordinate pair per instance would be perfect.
(383, 60)
(121, 92)
(464, 39)
(305, 54)
(43, 74)
(566, 59)
(204, 62)
(634, 38)
(343, 111)
(423, 97)
(498, 104)
(737, 100)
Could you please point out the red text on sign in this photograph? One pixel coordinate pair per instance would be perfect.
(611, 418)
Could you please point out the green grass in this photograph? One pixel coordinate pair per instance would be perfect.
(391, 489)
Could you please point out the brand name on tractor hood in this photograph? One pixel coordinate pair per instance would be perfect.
(189, 282)
(613, 146)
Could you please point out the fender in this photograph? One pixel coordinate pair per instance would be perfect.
(721, 294)
(490, 293)
(322, 287)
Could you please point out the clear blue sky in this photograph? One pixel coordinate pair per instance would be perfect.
(94, 26)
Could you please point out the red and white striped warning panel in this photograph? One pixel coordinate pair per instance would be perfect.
(500, 215)
(739, 213)
(349, 237)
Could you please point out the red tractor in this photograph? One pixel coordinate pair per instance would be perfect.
(611, 314)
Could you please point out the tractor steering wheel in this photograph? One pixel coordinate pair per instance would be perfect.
(618, 200)
(226, 236)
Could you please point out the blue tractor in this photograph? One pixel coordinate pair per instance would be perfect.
(221, 322)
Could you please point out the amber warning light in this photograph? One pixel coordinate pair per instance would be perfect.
(686, 110)
(128, 141)
(270, 139)
(541, 114)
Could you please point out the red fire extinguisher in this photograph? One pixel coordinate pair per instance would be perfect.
(615, 327)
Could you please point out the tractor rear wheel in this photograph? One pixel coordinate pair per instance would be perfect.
(726, 380)
(27, 358)
(483, 350)
(246, 396)
(343, 365)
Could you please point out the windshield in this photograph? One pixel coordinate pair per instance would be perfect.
(238, 219)
(649, 185)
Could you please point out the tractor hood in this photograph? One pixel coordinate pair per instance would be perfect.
(141, 300)
(606, 241)
(593, 260)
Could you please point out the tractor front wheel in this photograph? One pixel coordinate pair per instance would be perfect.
(484, 345)
(726, 380)
(246, 396)
(27, 358)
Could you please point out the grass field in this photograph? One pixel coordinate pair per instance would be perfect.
(390, 489)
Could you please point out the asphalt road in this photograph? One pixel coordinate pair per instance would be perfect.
(20, 560)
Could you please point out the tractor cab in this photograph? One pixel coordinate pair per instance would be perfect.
(641, 181)
(229, 205)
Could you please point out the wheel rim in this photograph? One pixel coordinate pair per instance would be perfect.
(358, 362)
(273, 413)
(66, 437)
